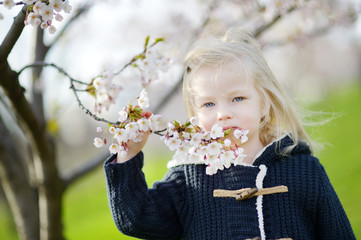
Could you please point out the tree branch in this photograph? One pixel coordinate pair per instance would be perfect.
(13, 35)
(88, 167)
(263, 28)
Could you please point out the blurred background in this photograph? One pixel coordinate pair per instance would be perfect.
(313, 48)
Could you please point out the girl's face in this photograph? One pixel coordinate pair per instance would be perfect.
(225, 96)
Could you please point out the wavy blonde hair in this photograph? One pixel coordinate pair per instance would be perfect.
(241, 48)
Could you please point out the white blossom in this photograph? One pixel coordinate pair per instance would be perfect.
(52, 29)
(9, 4)
(202, 151)
(173, 143)
(131, 129)
(154, 121)
(99, 129)
(67, 7)
(1, 16)
(143, 124)
(38, 7)
(228, 157)
(43, 25)
(186, 135)
(56, 4)
(98, 142)
(227, 142)
(239, 151)
(47, 13)
(193, 158)
(112, 130)
(218, 164)
(114, 148)
(121, 135)
(196, 139)
(216, 132)
(214, 148)
(33, 19)
(59, 17)
(123, 115)
(143, 100)
(211, 169)
(138, 137)
(239, 160)
(244, 139)
(194, 121)
(170, 126)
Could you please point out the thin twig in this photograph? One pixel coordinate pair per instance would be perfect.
(72, 87)
(263, 28)
(80, 11)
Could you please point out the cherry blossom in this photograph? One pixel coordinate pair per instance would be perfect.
(114, 148)
(131, 127)
(9, 4)
(216, 132)
(193, 145)
(41, 12)
(241, 134)
(98, 142)
(194, 121)
(143, 99)
(123, 115)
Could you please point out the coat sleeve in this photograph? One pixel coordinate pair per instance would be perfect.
(141, 212)
(332, 219)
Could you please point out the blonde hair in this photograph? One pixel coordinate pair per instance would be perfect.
(241, 48)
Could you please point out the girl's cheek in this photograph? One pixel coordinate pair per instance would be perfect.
(204, 124)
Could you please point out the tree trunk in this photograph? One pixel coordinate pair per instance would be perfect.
(20, 195)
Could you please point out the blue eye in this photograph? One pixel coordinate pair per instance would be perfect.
(208, 104)
(237, 99)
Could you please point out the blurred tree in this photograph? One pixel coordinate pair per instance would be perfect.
(31, 180)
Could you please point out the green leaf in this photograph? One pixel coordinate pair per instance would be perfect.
(91, 89)
(146, 42)
(158, 40)
(228, 131)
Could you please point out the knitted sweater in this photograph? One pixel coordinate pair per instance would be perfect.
(182, 205)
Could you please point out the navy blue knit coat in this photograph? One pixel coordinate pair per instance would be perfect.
(182, 206)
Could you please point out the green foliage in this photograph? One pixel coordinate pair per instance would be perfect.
(341, 155)
(86, 211)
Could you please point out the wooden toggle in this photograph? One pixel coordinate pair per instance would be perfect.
(246, 193)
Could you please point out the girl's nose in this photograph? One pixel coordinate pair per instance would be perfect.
(224, 115)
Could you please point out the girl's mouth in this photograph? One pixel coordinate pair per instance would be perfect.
(233, 128)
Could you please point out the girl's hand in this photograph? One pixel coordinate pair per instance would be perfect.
(133, 148)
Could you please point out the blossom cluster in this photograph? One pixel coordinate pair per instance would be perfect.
(42, 12)
(150, 64)
(133, 123)
(104, 90)
(194, 145)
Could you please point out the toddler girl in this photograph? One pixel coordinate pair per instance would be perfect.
(280, 191)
